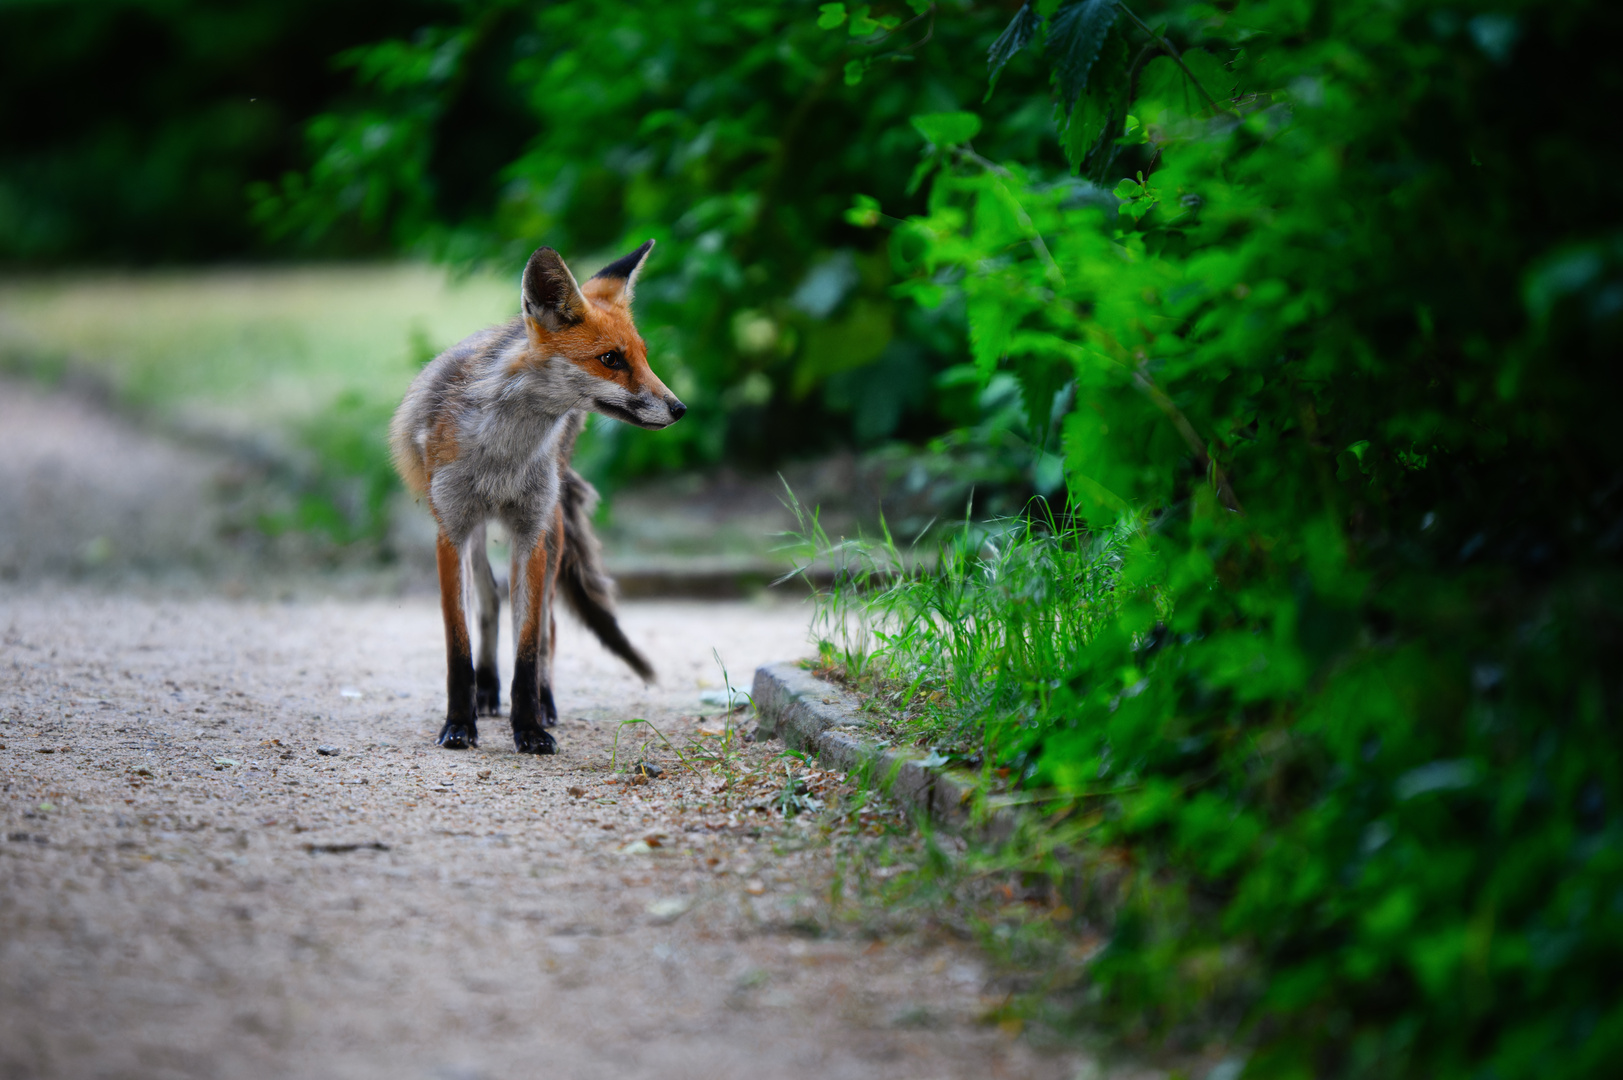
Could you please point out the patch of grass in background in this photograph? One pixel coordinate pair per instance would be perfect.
(250, 351)
(303, 365)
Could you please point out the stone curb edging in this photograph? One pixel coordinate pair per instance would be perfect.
(814, 715)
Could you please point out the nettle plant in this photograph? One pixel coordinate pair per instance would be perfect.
(1327, 310)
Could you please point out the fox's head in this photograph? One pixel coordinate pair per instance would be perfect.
(584, 346)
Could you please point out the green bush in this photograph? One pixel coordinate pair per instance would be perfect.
(1339, 350)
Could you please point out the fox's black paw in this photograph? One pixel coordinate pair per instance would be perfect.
(549, 711)
(534, 741)
(487, 692)
(458, 735)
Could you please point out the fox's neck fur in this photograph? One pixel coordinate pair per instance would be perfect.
(517, 423)
(516, 412)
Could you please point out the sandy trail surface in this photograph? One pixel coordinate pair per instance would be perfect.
(188, 888)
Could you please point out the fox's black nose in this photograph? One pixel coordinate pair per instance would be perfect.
(678, 410)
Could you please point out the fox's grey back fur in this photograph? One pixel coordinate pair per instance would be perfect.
(516, 428)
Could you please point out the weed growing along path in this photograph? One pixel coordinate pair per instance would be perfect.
(189, 888)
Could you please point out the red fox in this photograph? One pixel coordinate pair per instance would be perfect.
(486, 432)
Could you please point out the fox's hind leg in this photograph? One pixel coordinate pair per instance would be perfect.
(535, 577)
(460, 730)
(487, 683)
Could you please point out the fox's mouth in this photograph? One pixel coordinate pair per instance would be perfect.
(629, 417)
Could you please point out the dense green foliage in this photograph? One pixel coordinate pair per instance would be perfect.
(130, 129)
(732, 133)
(1344, 689)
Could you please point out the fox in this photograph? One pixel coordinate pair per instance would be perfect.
(485, 433)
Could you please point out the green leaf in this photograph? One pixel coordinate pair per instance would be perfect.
(1092, 127)
(922, 171)
(991, 321)
(861, 24)
(948, 128)
(831, 16)
(1216, 79)
(854, 70)
(864, 212)
(1016, 36)
(1076, 34)
(1162, 85)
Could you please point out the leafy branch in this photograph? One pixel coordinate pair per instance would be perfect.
(1094, 79)
(1167, 47)
(1219, 479)
(1035, 238)
(876, 29)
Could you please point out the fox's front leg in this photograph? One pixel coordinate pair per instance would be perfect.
(460, 731)
(487, 686)
(535, 576)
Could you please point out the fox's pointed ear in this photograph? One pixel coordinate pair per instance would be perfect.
(550, 295)
(615, 282)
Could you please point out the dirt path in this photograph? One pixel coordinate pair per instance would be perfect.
(189, 889)
(80, 489)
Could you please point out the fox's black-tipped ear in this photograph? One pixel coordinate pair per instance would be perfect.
(549, 293)
(617, 280)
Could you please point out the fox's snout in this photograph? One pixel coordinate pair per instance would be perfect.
(645, 410)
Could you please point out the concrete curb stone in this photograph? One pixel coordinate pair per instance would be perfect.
(815, 716)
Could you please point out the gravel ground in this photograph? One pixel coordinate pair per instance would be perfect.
(190, 888)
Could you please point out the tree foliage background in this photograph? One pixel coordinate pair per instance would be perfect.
(130, 129)
(735, 135)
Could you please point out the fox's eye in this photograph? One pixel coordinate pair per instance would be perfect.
(613, 360)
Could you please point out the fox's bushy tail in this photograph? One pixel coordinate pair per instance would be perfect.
(585, 585)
